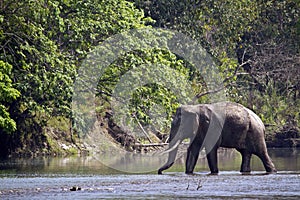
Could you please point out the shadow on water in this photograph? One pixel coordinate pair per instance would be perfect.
(48, 177)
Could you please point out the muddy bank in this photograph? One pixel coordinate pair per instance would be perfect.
(287, 137)
(58, 142)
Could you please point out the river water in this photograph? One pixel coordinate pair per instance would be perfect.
(56, 177)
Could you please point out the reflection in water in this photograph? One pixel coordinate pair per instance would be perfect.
(54, 165)
(229, 160)
(286, 159)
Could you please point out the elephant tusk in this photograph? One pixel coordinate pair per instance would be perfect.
(172, 148)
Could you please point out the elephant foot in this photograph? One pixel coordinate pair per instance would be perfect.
(272, 172)
(246, 173)
(189, 173)
(213, 173)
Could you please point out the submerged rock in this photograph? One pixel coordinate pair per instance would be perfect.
(75, 188)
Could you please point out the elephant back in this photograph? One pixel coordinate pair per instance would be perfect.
(236, 126)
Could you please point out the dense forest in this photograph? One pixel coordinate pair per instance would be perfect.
(43, 43)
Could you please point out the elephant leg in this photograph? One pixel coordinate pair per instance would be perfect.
(267, 162)
(246, 160)
(212, 159)
(192, 157)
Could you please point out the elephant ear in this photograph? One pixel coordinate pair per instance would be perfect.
(175, 124)
(190, 119)
(216, 118)
(204, 120)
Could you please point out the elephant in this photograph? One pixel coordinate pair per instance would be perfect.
(210, 126)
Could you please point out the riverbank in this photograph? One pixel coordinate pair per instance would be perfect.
(58, 142)
(287, 137)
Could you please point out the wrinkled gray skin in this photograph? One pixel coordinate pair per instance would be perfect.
(226, 124)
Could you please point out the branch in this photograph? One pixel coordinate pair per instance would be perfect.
(236, 71)
(208, 92)
(151, 145)
(143, 130)
(222, 87)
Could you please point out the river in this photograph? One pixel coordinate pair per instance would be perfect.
(56, 177)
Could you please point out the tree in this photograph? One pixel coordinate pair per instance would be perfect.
(272, 49)
(45, 42)
(255, 43)
(217, 25)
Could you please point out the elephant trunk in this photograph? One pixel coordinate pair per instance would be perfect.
(171, 158)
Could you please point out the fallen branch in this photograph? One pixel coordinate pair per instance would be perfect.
(143, 130)
(151, 145)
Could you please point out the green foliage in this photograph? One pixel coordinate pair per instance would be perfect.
(277, 114)
(45, 42)
(7, 92)
(59, 123)
(41, 72)
(137, 74)
(152, 80)
(283, 110)
(225, 22)
(218, 25)
(255, 44)
(7, 95)
(272, 47)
